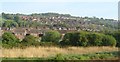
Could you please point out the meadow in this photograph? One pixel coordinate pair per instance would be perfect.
(44, 52)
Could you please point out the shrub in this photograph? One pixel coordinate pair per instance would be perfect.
(83, 41)
(108, 41)
(75, 39)
(88, 39)
(30, 40)
(9, 39)
(51, 36)
(59, 57)
(116, 35)
(95, 39)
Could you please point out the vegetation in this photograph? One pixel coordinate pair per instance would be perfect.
(46, 51)
(104, 25)
(107, 36)
(70, 39)
(51, 36)
(101, 55)
(88, 39)
(95, 56)
(30, 40)
(116, 35)
(9, 40)
(109, 40)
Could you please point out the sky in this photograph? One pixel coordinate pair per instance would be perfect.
(90, 8)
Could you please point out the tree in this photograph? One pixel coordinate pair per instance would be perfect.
(88, 39)
(10, 23)
(108, 41)
(9, 38)
(1, 21)
(83, 41)
(22, 23)
(16, 18)
(51, 36)
(75, 39)
(68, 39)
(7, 16)
(116, 35)
(30, 40)
(95, 39)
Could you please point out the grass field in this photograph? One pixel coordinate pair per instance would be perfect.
(52, 51)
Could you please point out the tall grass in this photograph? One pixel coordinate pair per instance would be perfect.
(52, 51)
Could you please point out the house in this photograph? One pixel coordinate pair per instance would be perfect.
(34, 32)
(19, 33)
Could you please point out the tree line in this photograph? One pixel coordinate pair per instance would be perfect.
(81, 38)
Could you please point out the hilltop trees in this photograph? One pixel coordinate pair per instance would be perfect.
(62, 20)
(16, 18)
(10, 23)
(7, 16)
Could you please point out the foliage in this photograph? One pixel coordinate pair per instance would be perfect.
(48, 44)
(104, 24)
(108, 41)
(75, 39)
(88, 39)
(16, 18)
(7, 16)
(9, 39)
(30, 40)
(116, 35)
(95, 39)
(10, 23)
(59, 57)
(51, 36)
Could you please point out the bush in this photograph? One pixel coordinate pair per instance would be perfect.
(59, 57)
(75, 39)
(116, 35)
(88, 39)
(83, 41)
(30, 40)
(51, 36)
(95, 39)
(9, 39)
(108, 41)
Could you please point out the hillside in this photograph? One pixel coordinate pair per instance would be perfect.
(58, 21)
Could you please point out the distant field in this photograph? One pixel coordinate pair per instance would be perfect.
(52, 51)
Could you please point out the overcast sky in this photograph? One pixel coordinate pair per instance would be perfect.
(99, 8)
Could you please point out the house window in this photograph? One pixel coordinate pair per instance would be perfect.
(20, 33)
(27, 34)
(40, 35)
